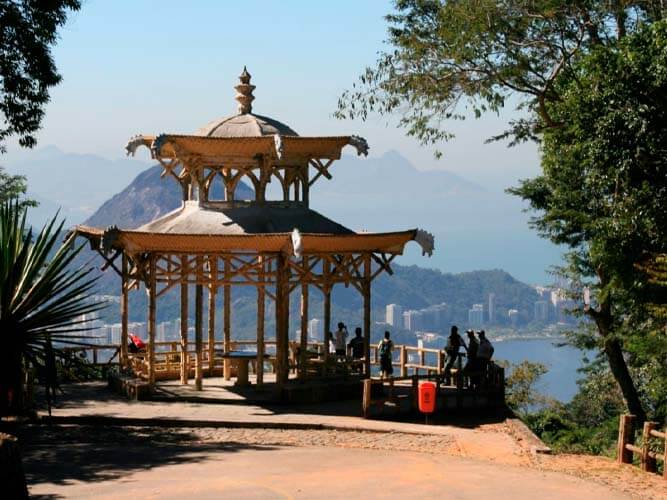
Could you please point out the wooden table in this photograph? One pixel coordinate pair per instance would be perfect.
(241, 358)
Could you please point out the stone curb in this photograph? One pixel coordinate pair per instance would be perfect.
(216, 424)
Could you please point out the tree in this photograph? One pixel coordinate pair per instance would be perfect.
(602, 192)
(42, 298)
(454, 55)
(28, 29)
(13, 187)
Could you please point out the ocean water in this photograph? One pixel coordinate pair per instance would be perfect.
(560, 382)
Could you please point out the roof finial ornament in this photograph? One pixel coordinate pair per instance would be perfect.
(244, 93)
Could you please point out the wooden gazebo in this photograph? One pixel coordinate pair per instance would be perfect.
(275, 246)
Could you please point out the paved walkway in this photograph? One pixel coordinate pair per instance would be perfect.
(489, 437)
(330, 473)
(174, 450)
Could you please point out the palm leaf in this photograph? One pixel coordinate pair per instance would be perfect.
(42, 297)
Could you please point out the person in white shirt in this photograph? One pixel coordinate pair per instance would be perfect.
(341, 339)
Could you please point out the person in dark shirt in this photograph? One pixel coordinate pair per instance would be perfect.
(356, 345)
(454, 343)
(472, 364)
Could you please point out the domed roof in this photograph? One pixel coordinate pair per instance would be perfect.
(245, 123)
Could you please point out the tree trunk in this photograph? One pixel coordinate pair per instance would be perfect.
(617, 365)
(619, 370)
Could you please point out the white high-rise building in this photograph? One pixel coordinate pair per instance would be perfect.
(476, 315)
(541, 310)
(513, 316)
(412, 320)
(492, 308)
(394, 316)
(315, 329)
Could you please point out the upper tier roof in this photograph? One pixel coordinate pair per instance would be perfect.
(245, 123)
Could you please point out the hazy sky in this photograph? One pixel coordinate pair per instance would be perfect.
(150, 67)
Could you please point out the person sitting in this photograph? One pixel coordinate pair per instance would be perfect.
(340, 340)
(454, 343)
(385, 347)
(136, 345)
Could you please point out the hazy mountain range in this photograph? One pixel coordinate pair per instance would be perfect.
(474, 228)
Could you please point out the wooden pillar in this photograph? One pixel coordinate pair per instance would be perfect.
(366, 287)
(282, 322)
(227, 366)
(185, 356)
(152, 294)
(326, 271)
(303, 344)
(199, 299)
(625, 436)
(212, 289)
(260, 323)
(124, 303)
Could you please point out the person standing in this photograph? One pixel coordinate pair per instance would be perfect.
(356, 345)
(454, 343)
(385, 348)
(484, 352)
(341, 339)
(472, 364)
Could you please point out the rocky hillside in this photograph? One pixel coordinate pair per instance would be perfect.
(146, 198)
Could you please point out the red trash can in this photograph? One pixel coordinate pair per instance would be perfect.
(427, 397)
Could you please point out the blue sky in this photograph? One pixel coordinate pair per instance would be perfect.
(169, 66)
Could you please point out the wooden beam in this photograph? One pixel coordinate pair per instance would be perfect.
(282, 323)
(367, 314)
(185, 357)
(260, 328)
(199, 298)
(124, 303)
(151, 321)
(303, 341)
(227, 308)
(212, 289)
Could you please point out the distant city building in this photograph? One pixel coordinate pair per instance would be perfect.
(513, 316)
(412, 320)
(394, 316)
(492, 308)
(315, 328)
(476, 315)
(541, 310)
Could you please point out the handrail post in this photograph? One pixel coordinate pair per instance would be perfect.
(625, 436)
(366, 400)
(402, 358)
(648, 463)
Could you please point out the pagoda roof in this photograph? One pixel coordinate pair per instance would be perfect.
(143, 241)
(213, 218)
(275, 146)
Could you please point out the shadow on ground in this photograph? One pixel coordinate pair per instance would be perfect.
(61, 454)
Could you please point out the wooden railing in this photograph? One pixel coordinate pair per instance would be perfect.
(627, 448)
(96, 358)
(490, 382)
(407, 360)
